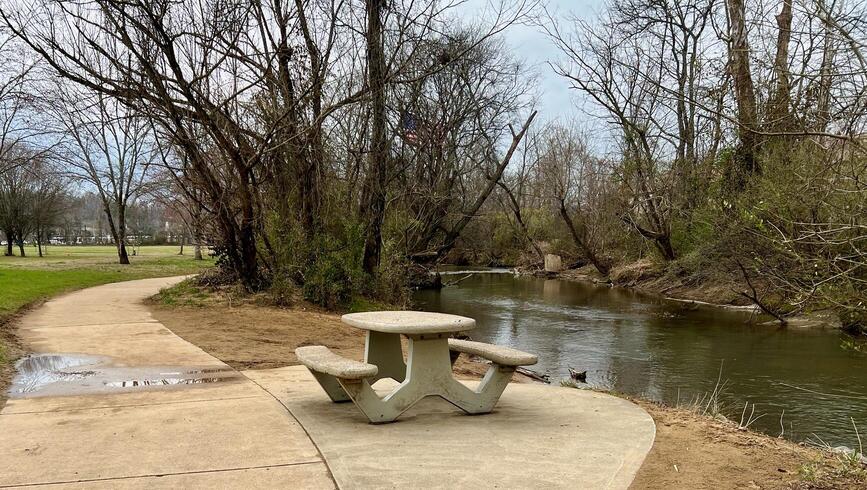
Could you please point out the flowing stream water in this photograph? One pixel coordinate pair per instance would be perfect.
(671, 351)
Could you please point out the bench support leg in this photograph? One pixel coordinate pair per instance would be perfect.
(331, 386)
(379, 410)
(483, 398)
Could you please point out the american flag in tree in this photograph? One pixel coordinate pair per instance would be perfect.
(409, 124)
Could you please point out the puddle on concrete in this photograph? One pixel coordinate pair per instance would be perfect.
(39, 370)
(73, 374)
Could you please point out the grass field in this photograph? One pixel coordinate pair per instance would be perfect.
(66, 268)
(24, 280)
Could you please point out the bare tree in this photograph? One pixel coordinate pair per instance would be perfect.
(47, 202)
(15, 183)
(779, 113)
(246, 92)
(110, 150)
(745, 93)
(184, 202)
(15, 102)
(458, 133)
(30, 198)
(374, 189)
(573, 181)
(515, 187)
(622, 73)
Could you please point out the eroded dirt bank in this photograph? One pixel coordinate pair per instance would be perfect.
(10, 350)
(717, 290)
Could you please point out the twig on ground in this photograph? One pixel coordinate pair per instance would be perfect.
(544, 378)
(751, 419)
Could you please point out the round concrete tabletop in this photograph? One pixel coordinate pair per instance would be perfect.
(409, 322)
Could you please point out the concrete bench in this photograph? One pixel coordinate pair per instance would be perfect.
(320, 359)
(330, 369)
(503, 356)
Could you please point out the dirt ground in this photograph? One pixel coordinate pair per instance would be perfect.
(7, 372)
(690, 451)
(697, 452)
(261, 337)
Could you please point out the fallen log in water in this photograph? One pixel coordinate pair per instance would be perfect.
(544, 378)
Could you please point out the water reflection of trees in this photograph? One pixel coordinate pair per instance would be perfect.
(660, 349)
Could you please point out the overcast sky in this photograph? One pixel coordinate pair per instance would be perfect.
(556, 100)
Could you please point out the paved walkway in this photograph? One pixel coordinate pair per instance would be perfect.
(158, 412)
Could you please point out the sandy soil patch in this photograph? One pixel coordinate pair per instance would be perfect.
(698, 452)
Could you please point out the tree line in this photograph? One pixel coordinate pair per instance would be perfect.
(339, 146)
(737, 148)
(291, 125)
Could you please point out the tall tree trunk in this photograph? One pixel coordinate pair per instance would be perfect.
(313, 165)
(373, 193)
(21, 246)
(39, 243)
(123, 257)
(745, 94)
(197, 236)
(662, 240)
(823, 111)
(183, 239)
(250, 274)
(10, 239)
(120, 234)
(663, 244)
(779, 115)
(117, 230)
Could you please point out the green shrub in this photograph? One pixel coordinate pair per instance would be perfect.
(391, 284)
(690, 233)
(333, 276)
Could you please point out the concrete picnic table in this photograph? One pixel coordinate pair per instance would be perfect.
(426, 372)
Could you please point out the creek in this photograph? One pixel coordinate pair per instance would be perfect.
(798, 381)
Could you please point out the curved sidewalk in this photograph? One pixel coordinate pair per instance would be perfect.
(157, 411)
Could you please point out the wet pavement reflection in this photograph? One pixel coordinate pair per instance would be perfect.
(76, 374)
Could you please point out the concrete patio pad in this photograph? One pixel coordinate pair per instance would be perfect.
(538, 437)
(171, 438)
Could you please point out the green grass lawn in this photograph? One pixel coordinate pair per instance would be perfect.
(24, 280)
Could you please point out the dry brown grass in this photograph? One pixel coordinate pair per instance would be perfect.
(693, 451)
